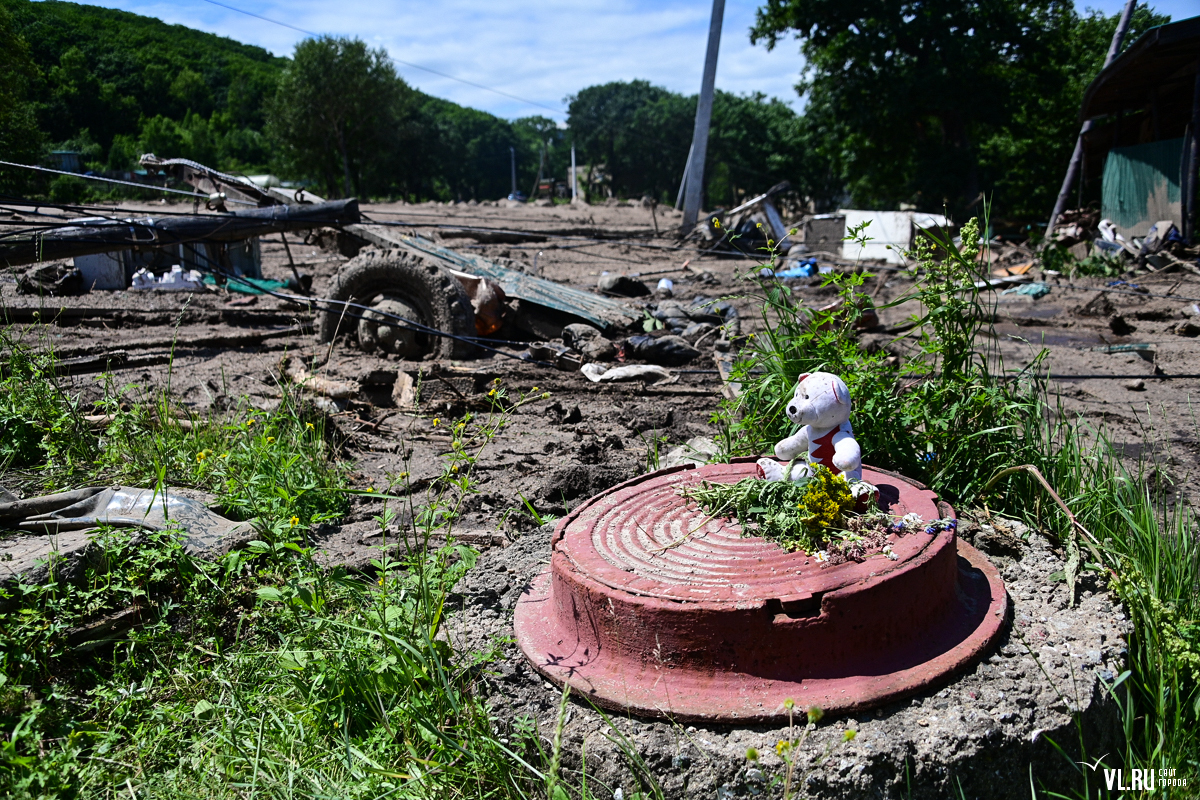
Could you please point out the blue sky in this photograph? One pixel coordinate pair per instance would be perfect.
(539, 50)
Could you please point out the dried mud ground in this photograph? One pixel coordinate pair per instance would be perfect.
(215, 348)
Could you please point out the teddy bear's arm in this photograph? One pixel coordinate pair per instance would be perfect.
(847, 455)
(793, 446)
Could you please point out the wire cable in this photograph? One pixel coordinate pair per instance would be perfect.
(393, 58)
(149, 187)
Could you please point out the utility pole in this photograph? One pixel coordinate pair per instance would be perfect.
(683, 181)
(574, 179)
(1077, 157)
(513, 154)
(694, 191)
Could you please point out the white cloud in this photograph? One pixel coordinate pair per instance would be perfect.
(535, 49)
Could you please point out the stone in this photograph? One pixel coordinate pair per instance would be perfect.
(698, 450)
(1135, 385)
(1188, 329)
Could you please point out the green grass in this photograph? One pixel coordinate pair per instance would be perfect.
(260, 674)
(264, 675)
(955, 418)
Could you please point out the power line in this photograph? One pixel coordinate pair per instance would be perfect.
(150, 187)
(393, 58)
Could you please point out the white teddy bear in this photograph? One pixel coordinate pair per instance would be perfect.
(822, 405)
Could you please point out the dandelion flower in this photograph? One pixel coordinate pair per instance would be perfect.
(535, 388)
(309, 425)
(270, 439)
(203, 454)
(436, 420)
(250, 422)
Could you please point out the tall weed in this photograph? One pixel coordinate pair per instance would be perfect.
(950, 416)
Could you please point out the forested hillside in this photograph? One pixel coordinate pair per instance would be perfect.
(111, 84)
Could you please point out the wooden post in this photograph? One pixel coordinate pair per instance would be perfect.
(1077, 157)
(694, 193)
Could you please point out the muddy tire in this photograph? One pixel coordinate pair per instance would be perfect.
(441, 300)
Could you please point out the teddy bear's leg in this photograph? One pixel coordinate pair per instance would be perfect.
(847, 456)
(771, 469)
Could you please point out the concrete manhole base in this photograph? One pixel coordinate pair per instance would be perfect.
(652, 606)
(986, 733)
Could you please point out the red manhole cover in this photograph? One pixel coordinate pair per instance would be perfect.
(648, 606)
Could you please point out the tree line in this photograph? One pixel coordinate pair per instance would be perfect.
(931, 103)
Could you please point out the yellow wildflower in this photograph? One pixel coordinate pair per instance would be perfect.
(295, 521)
(270, 439)
(436, 420)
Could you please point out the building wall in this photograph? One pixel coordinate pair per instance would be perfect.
(1141, 186)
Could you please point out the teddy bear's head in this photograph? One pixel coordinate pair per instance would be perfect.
(821, 400)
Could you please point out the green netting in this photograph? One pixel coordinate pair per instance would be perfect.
(1134, 175)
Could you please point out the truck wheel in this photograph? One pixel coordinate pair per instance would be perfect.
(392, 281)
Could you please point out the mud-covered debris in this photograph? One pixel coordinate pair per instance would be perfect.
(1098, 306)
(623, 285)
(57, 529)
(1188, 329)
(335, 390)
(698, 331)
(669, 351)
(589, 341)
(51, 279)
(1121, 326)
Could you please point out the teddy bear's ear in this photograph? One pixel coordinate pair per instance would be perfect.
(802, 377)
(840, 392)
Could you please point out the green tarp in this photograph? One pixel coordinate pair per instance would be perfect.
(248, 285)
(1141, 185)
